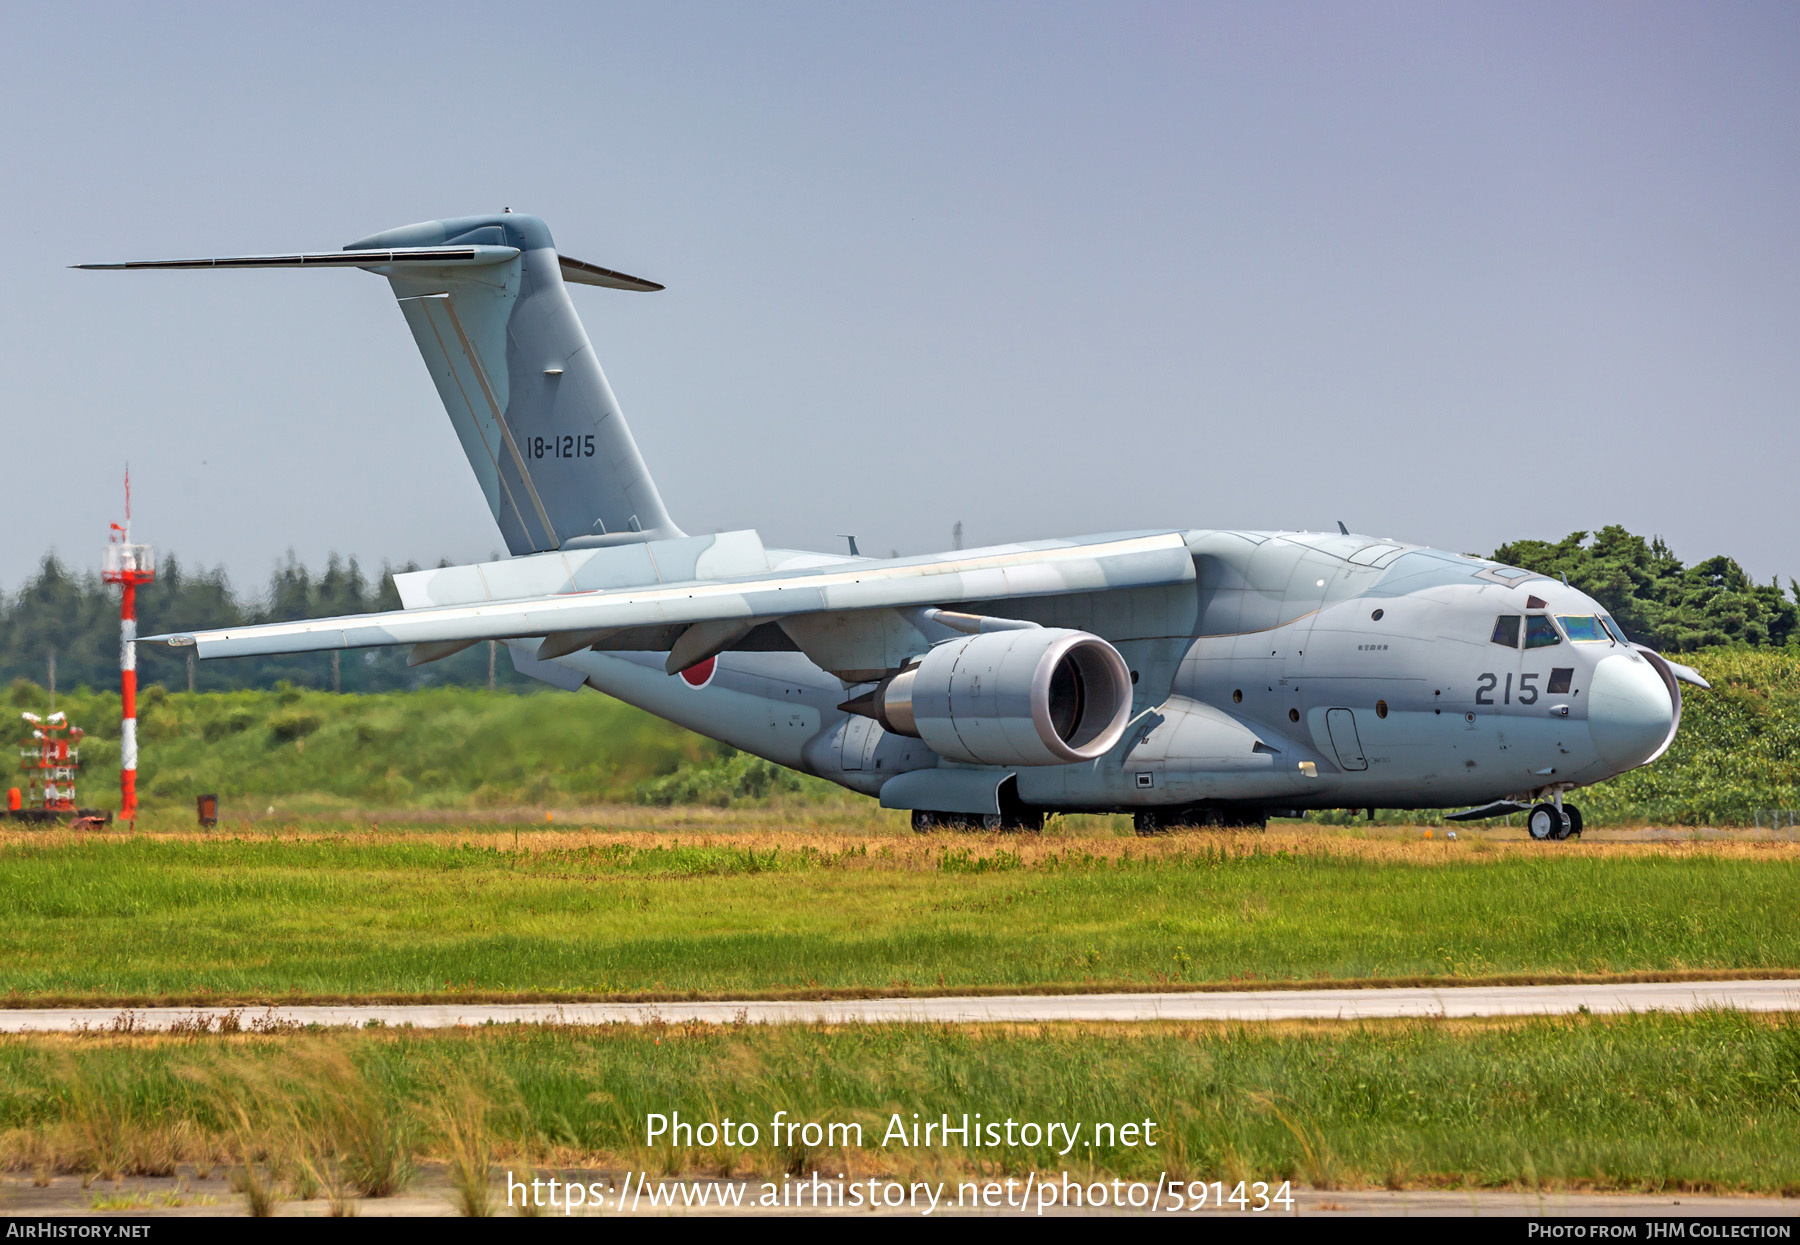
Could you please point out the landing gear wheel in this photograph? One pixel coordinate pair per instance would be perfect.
(1574, 816)
(1545, 822)
(1146, 822)
(924, 822)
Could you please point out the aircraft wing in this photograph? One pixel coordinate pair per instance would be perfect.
(1041, 568)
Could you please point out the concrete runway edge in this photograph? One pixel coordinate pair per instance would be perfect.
(1452, 1002)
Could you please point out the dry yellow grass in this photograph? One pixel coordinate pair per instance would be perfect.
(889, 843)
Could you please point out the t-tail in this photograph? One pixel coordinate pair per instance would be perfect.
(486, 299)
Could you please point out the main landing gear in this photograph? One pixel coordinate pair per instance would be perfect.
(1149, 821)
(924, 821)
(1014, 814)
(1548, 821)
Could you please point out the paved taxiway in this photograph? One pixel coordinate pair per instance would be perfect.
(1261, 1005)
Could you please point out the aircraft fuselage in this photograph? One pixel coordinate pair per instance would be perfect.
(1298, 670)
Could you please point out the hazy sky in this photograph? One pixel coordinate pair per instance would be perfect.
(1452, 273)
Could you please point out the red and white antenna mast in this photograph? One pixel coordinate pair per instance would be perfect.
(129, 566)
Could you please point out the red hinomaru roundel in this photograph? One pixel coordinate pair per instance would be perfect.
(700, 673)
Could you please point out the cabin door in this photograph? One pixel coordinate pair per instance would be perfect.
(1342, 725)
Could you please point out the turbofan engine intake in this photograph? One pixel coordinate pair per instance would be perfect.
(1040, 696)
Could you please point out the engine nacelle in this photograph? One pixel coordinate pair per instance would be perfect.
(1036, 696)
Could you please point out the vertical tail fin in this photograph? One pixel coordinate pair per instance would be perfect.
(524, 390)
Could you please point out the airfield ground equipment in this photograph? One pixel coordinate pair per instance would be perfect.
(50, 755)
(130, 566)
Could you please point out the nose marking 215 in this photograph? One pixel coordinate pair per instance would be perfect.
(1528, 692)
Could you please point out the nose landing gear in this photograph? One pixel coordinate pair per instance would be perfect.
(1549, 821)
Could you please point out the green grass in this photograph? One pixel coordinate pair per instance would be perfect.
(1708, 1102)
(451, 747)
(462, 748)
(118, 917)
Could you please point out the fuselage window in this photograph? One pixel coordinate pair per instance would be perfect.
(1540, 632)
(1584, 628)
(1506, 630)
(1618, 633)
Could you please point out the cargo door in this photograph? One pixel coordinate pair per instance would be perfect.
(1342, 725)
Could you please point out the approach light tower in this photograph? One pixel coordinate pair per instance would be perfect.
(128, 565)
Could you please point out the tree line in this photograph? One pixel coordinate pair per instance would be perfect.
(75, 616)
(1671, 607)
(1658, 600)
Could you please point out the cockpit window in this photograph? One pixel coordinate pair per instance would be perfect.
(1583, 628)
(1540, 632)
(1618, 632)
(1506, 630)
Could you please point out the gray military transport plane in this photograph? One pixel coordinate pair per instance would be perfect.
(1191, 677)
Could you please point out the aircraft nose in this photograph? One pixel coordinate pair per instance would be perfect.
(1630, 712)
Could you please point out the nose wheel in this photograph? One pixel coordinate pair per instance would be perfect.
(1547, 821)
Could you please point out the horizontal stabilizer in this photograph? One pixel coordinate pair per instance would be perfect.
(434, 255)
(583, 273)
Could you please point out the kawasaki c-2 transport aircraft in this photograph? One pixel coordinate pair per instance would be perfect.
(1191, 677)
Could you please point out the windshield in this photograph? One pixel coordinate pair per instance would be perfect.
(1583, 628)
(1540, 632)
(1618, 632)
